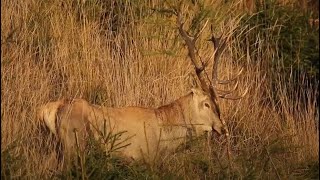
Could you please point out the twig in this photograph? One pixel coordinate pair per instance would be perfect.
(79, 155)
(273, 165)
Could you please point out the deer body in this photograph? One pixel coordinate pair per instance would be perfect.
(147, 131)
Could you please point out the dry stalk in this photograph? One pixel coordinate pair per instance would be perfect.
(79, 155)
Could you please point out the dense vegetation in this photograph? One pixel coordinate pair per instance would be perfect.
(124, 53)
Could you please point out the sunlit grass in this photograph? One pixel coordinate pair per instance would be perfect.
(132, 55)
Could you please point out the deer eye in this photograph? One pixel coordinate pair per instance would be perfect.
(206, 105)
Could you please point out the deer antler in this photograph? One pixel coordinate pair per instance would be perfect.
(218, 49)
(219, 45)
(190, 42)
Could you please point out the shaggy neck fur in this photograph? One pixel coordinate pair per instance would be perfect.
(177, 113)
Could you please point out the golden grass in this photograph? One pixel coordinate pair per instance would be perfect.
(61, 49)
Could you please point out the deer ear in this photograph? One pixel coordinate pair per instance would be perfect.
(196, 91)
(193, 80)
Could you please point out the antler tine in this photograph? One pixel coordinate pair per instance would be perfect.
(190, 41)
(219, 81)
(202, 29)
(225, 92)
(219, 45)
(225, 96)
(218, 49)
(184, 34)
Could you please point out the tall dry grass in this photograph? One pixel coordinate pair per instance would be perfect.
(123, 53)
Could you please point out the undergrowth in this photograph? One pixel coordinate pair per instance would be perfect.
(129, 53)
